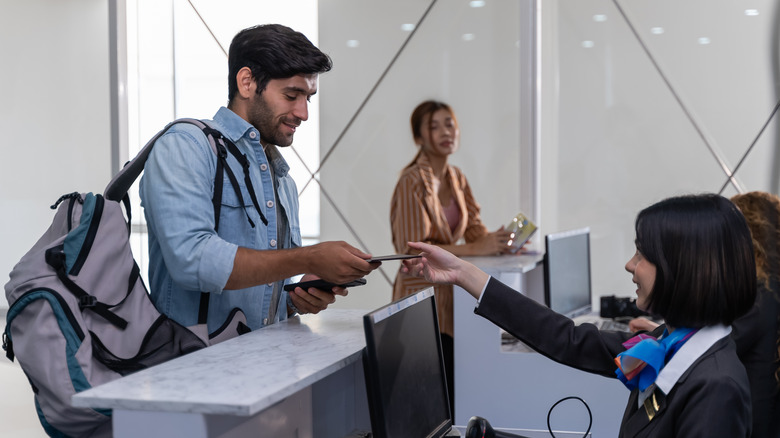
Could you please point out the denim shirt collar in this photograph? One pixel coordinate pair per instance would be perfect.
(277, 161)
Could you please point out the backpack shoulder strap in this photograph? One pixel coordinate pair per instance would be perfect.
(221, 145)
(119, 185)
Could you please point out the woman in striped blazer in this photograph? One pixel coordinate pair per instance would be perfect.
(433, 203)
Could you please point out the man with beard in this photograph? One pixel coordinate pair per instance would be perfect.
(243, 260)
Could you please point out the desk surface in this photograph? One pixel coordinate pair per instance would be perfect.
(244, 375)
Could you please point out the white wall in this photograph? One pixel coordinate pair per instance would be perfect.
(624, 128)
(54, 113)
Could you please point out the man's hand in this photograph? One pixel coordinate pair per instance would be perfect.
(314, 300)
(338, 262)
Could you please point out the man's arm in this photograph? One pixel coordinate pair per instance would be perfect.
(337, 262)
(176, 190)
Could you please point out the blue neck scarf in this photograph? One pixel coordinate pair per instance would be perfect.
(639, 365)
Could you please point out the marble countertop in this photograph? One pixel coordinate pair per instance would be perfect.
(508, 262)
(244, 375)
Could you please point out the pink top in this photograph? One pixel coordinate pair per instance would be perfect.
(452, 213)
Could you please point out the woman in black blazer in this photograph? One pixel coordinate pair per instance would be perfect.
(694, 268)
(757, 333)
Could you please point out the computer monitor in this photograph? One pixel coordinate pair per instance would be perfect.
(404, 369)
(567, 272)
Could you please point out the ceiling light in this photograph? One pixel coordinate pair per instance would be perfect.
(599, 18)
(704, 40)
(468, 37)
(657, 30)
(588, 44)
(353, 43)
(407, 27)
(476, 3)
(751, 12)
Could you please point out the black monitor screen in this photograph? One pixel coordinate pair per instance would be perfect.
(406, 385)
(567, 272)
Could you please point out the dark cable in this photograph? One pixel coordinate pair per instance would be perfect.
(590, 414)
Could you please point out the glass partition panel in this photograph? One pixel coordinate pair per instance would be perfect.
(653, 99)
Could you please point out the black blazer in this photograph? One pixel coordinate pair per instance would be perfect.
(711, 399)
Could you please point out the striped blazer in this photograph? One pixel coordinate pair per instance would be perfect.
(416, 215)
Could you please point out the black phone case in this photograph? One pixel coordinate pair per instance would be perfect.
(322, 284)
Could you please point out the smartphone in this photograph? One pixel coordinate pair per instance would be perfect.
(322, 284)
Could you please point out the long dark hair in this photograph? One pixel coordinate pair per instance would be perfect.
(703, 253)
(273, 51)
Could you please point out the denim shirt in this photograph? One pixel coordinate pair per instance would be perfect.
(186, 255)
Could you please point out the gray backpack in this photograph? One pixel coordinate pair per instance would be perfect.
(80, 314)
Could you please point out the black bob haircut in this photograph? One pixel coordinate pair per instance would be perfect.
(273, 51)
(703, 253)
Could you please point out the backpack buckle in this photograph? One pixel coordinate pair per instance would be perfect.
(55, 257)
(87, 301)
(8, 346)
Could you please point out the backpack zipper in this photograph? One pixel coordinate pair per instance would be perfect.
(89, 239)
(12, 312)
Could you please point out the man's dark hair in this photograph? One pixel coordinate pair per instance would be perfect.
(273, 51)
(703, 254)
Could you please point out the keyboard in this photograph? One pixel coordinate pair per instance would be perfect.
(602, 323)
(611, 324)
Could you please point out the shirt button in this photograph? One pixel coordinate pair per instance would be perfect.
(252, 135)
(270, 285)
(270, 204)
(272, 242)
(263, 167)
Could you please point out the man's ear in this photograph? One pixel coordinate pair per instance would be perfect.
(246, 83)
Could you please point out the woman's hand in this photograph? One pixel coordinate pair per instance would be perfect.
(642, 324)
(493, 243)
(436, 266)
(440, 266)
